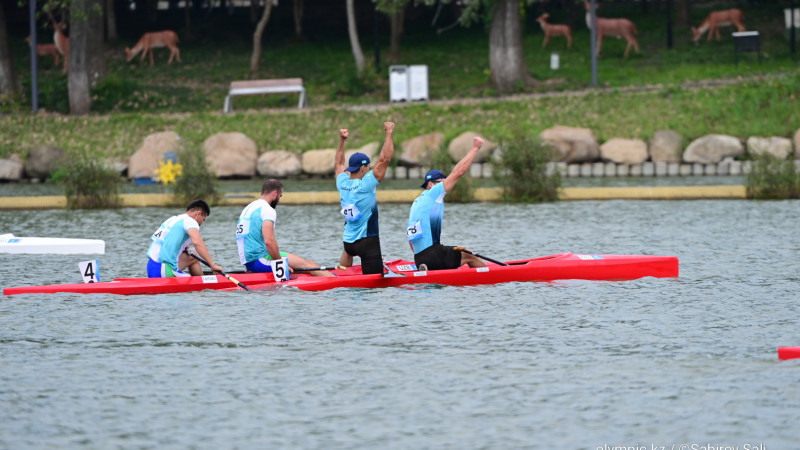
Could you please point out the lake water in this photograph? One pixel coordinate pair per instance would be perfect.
(572, 365)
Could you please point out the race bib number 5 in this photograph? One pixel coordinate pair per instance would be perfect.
(280, 269)
(414, 231)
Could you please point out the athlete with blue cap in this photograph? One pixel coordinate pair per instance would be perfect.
(356, 184)
(425, 220)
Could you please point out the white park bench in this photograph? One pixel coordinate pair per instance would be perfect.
(280, 86)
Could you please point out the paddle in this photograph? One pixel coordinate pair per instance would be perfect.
(233, 280)
(311, 269)
(464, 249)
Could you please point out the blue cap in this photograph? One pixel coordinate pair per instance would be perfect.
(356, 161)
(433, 175)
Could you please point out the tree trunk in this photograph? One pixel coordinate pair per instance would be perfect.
(95, 47)
(358, 54)
(80, 99)
(506, 59)
(396, 26)
(682, 13)
(111, 21)
(298, 7)
(8, 76)
(187, 17)
(255, 60)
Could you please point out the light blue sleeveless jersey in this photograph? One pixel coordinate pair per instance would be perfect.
(170, 239)
(249, 237)
(359, 206)
(425, 219)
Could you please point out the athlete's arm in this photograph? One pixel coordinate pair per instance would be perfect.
(202, 250)
(268, 231)
(463, 166)
(338, 162)
(386, 153)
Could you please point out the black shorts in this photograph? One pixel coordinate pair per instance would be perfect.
(369, 250)
(438, 257)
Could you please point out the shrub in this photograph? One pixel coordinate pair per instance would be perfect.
(89, 183)
(196, 180)
(112, 92)
(521, 170)
(772, 178)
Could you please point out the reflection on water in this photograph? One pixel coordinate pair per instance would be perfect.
(573, 364)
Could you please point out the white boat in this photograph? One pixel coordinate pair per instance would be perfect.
(50, 246)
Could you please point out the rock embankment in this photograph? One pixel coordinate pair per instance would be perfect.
(577, 153)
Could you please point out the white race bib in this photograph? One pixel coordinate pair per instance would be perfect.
(414, 231)
(280, 269)
(242, 229)
(350, 212)
(160, 234)
(90, 271)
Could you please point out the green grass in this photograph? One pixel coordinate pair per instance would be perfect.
(135, 100)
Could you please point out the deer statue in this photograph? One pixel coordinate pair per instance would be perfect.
(620, 28)
(45, 50)
(61, 42)
(155, 39)
(551, 29)
(717, 19)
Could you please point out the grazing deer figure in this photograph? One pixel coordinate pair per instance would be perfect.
(45, 50)
(620, 28)
(717, 19)
(551, 29)
(155, 39)
(61, 42)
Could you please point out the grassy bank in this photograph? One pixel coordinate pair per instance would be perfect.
(765, 107)
(135, 100)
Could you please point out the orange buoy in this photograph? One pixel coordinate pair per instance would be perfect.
(788, 352)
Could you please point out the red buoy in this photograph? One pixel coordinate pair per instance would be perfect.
(788, 352)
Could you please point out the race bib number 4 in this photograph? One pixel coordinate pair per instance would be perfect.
(414, 231)
(280, 269)
(90, 271)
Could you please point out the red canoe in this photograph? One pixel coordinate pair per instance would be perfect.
(563, 266)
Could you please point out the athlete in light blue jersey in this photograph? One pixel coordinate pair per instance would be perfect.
(255, 234)
(425, 219)
(166, 257)
(356, 184)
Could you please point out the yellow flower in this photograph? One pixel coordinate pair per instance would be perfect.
(168, 173)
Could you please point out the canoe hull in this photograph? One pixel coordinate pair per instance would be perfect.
(564, 266)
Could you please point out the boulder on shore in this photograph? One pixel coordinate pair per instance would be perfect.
(573, 145)
(778, 147)
(624, 151)
(279, 164)
(417, 151)
(43, 160)
(462, 144)
(319, 162)
(144, 162)
(231, 155)
(712, 148)
(666, 146)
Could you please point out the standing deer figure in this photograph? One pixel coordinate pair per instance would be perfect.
(61, 42)
(620, 28)
(155, 39)
(551, 29)
(45, 50)
(717, 19)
